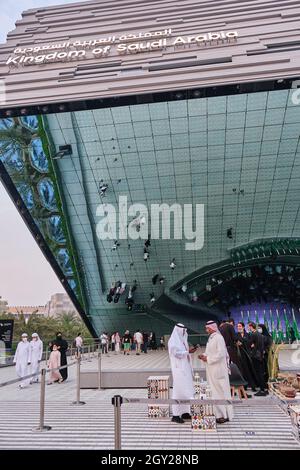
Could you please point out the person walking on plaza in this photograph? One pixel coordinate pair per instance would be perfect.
(182, 372)
(104, 343)
(216, 358)
(113, 342)
(78, 345)
(53, 363)
(152, 341)
(127, 341)
(22, 360)
(162, 346)
(36, 353)
(117, 343)
(62, 346)
(138, 339)
(145, 343)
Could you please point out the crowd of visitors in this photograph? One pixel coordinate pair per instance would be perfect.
(29, 354)
(249, 350)
(27, 358)
(232, 358)
(138, 342)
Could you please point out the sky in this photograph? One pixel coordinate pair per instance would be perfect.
(26, 277)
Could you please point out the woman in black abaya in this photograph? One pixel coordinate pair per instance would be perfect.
(62, 347)
(244, 360)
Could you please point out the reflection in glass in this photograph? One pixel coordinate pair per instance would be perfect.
(38, 156)
(55, 229)
(31, 122)
(46, 191)
(63, 259)
(6, 123)
(11, 155)
(72, 284)
(26, 194)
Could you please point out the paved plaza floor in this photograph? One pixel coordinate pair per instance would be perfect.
(91, 426)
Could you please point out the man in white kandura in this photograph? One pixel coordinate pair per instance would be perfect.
(217, 371)
(22, 360)
(182, 372)
(36, 352)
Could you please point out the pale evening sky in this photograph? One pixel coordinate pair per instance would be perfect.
(26, 278)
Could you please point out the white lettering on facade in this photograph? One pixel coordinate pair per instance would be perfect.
(125, 44)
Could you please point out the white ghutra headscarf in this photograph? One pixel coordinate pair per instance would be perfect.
(178, 339)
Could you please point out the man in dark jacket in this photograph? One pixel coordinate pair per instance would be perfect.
(257, 347)
(145, 343)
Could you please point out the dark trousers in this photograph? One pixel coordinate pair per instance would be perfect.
(259, 369)
(63, 362)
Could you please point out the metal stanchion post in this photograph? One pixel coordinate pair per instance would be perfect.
(117, 402)
(89, 354)
(42, 426)
(99, 370)
(78, 402)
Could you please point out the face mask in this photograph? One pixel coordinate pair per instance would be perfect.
(259, 330)
(24, 340)
(240, 330)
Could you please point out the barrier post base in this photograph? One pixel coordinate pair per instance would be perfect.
(42, 429)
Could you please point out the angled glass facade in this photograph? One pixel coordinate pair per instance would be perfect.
(239, 155)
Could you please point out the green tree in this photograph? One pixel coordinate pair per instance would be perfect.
(47, 327)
